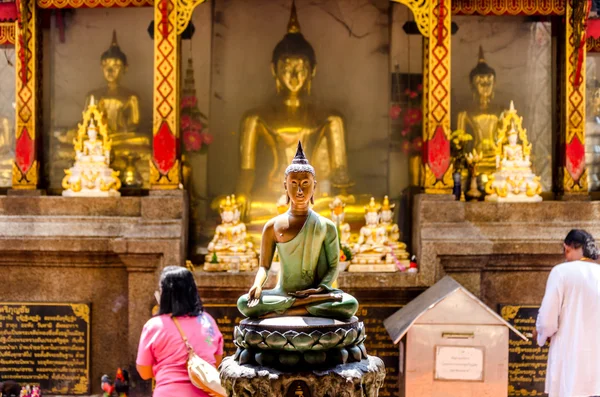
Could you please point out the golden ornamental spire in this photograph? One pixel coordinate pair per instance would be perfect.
(228, 204)
(293, 24)
(114, 43)
(372, 207)
(337, 206)
(481, 58)
(386, 204)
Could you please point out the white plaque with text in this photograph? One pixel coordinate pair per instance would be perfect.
(459, 363)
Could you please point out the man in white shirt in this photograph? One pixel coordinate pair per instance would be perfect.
(570, 318)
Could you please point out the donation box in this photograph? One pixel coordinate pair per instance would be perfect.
(451, 344)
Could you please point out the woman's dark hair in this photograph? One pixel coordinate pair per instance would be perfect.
(578, 238)
(179, 294)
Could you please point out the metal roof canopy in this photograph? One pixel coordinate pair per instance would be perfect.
(439, 305)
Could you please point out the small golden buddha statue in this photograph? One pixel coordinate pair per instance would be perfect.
(131, 149)
(91, 175)
(392, 230)
(229, 245)
(513, 181)
(7, 152)
(371, 246)
(481, 121)
(337, 216)
(292, 117)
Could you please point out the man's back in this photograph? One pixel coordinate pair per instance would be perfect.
(570, 316)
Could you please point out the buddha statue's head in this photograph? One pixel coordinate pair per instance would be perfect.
(387, 210)
(227, 210)
(337, 210)
(372, 213)
(483, 80)
(300, 181)
(92, 132)
(294, 62)
(114, 62)
(513, 135)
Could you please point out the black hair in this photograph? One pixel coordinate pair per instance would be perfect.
(579, 238)
(179, 293)
(294, 44)
(10, 388)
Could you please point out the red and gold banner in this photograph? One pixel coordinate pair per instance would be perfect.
(25, 165)
(573, 178)
(165, 167)
(508, 7)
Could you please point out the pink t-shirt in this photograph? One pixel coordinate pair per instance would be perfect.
(161, 347)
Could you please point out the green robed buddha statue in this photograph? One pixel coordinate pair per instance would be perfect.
(309, 251)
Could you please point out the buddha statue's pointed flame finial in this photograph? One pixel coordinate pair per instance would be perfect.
(512, 106)
(293, 24)
(481, 58)
(114, 39)
(386, 204)
(300, 162)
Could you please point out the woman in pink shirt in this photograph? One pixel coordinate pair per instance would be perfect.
(162, 353)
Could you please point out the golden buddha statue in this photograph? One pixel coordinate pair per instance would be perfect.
(229, 249)
(481, 121)
(7, 152)
(281, 124)
(91, 175)
(337, 216)
(513, 181)
(131, 149)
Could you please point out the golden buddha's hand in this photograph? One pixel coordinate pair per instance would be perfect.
(307, 292)
(254, 295)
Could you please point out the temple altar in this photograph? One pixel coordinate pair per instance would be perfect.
(374, 91)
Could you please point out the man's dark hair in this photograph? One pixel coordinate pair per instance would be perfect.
(579, 238)
(179, 293)
(294, 44)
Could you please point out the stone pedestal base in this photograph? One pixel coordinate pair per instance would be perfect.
(359, 379)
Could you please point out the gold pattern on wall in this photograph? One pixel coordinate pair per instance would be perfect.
(93, 3)
(82, 311)
(420, 10)
(509, 7)
(593, 44)
(185, 8)
(7, 33)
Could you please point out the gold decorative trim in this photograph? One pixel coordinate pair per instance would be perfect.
(24, 182)
(508, 7)
(82, 311)
(7, 33)
(434, 186)
(572, 187)
(420, 10)
(185, 9)
(93, 3)
(165, 182)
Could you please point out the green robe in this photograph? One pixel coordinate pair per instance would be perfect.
(309, 260)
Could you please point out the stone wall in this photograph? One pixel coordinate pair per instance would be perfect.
(106, 251)
(500, 252)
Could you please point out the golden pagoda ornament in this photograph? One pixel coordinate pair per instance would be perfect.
(91, 175)
(513, 181)
(230, 249)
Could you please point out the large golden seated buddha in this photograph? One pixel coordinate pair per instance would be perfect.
(130, 149)
(290, 118)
